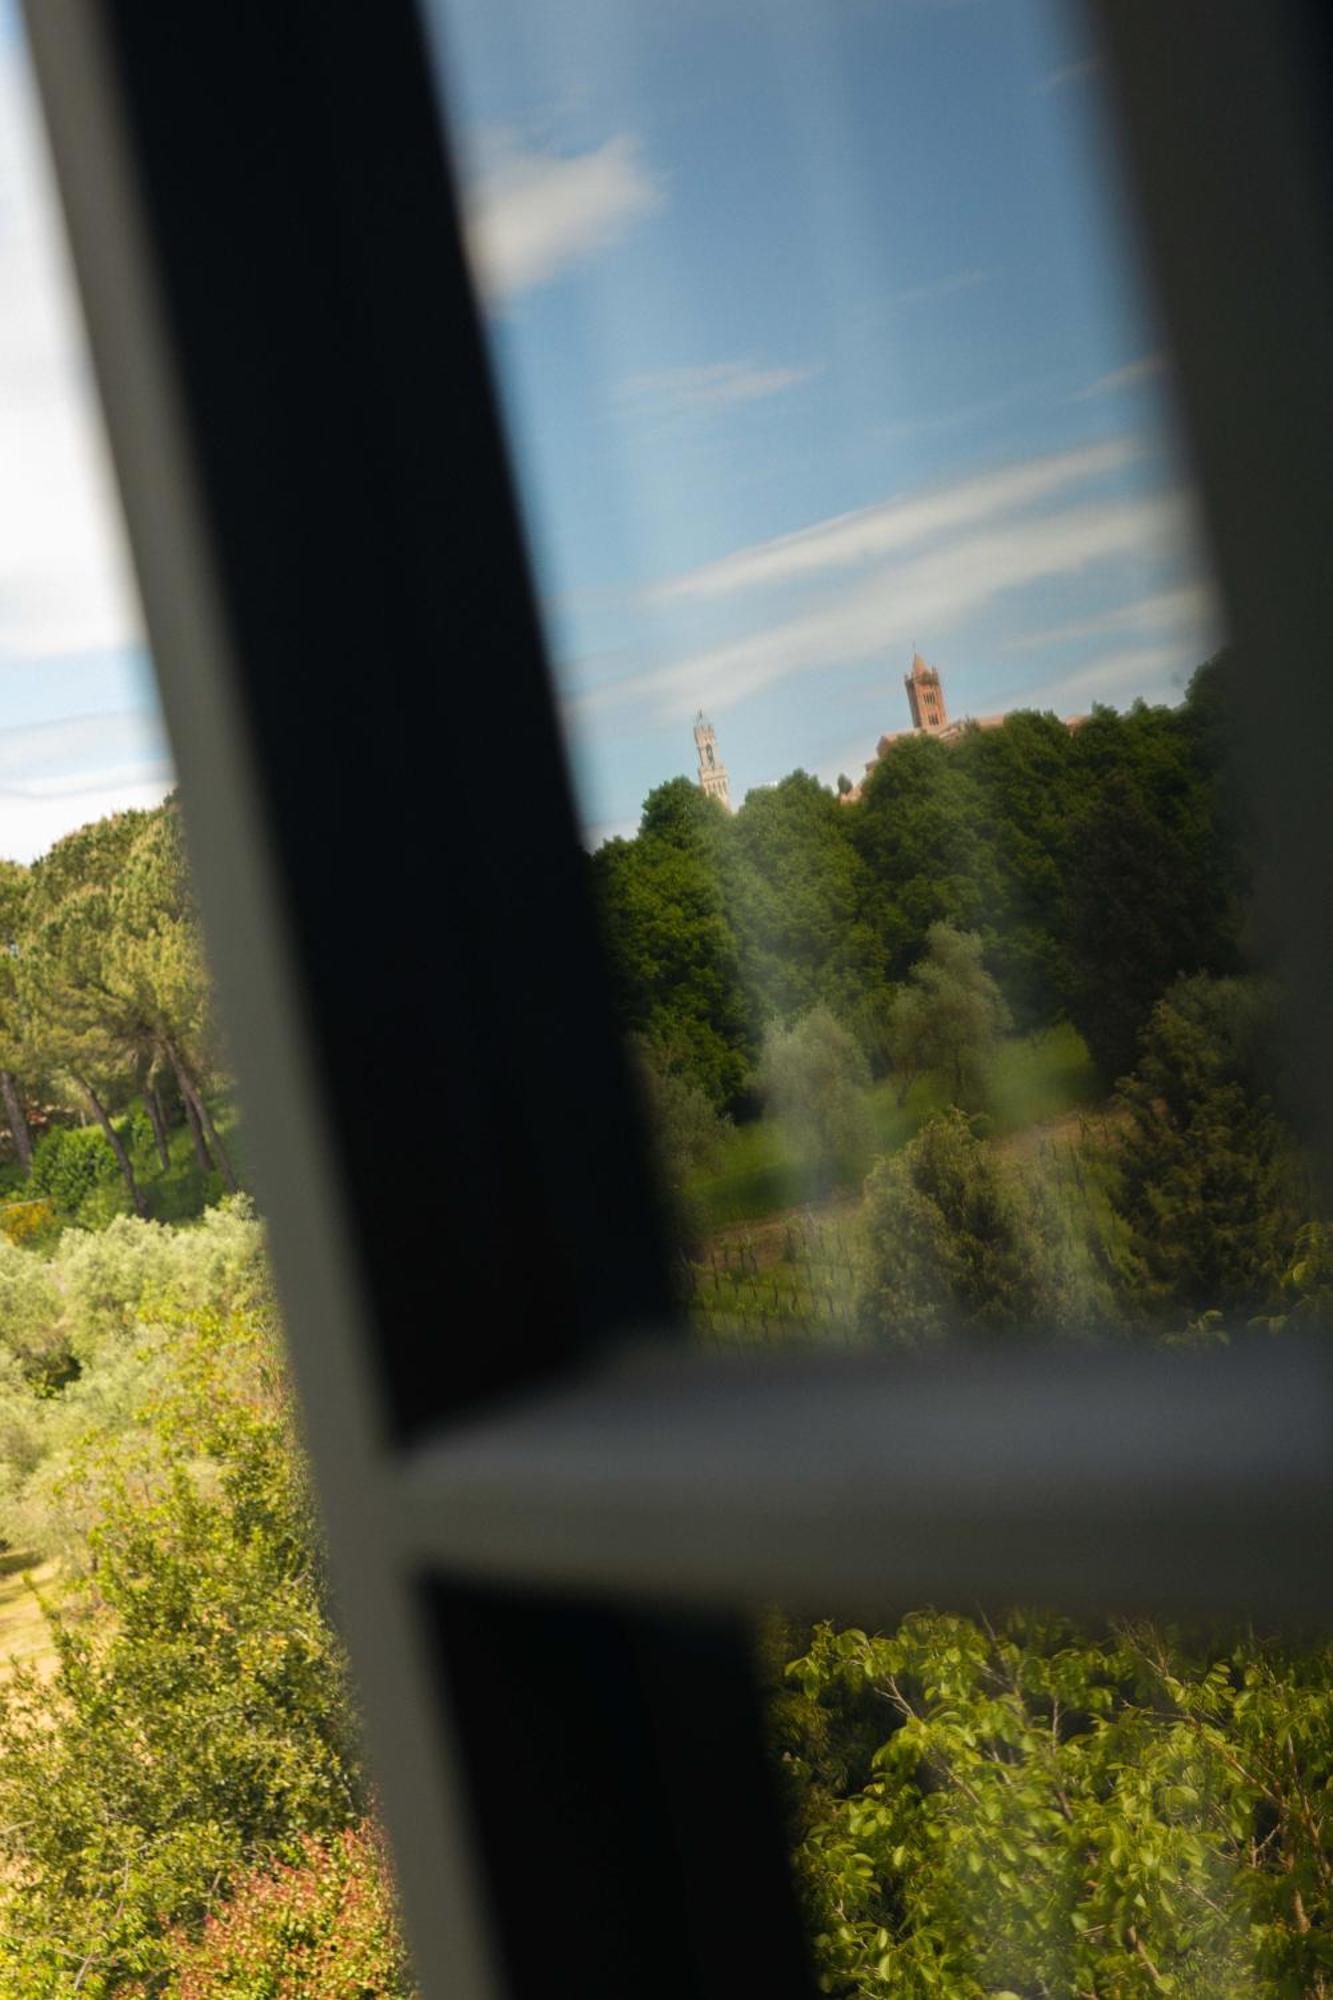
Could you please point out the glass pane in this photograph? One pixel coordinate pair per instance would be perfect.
(183, 1806)
(898, 703)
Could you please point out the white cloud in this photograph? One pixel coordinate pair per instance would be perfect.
(1192, 607)
(58, 775)
(1145, 369)
(849, 541)
(64, 575)
(932, 589)
(532, 215)
(712, 385)
(70, 752)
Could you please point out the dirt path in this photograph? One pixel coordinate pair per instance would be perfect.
(25, 1637)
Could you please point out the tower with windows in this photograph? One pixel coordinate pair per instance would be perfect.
(712, 771)
(926, 697)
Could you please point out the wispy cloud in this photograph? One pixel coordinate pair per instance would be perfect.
(713, 385)
(934, 588)
(73, 753)
(66, 773)
(849, 541)
(1145, 369)
(1067, 74)
(532, 215)
(1191, 607)
(940, 288)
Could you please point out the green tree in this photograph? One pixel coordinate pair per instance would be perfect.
(813, 1077)
(1027, 779)
(686, 1132)
(1051, 1811)
(15, 1045)
(201, 1723)
(671, 945)
(948, 1018)
(1155, 888)
(82, 1026)
(920, 831)
(1209, 1181)
(956, 1241)
(799, 894)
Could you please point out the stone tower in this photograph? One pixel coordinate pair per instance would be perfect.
(712, 771)
(925, 697)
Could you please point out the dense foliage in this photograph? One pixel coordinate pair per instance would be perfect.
(321, 1927)
(1096, 866)
(197, 1725)
(891, 999)
(105, 1015)
(1033, 1809)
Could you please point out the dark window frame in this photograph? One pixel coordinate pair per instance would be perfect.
(544, 1538)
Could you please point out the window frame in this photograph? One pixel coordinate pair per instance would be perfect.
(543, 1540)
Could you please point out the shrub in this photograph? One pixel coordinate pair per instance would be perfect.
(21, 1221)
(69, 1162)
(201, 1724)
(321, 1927)
(32, 1324)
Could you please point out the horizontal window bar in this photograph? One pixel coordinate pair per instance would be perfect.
(1116, 1479)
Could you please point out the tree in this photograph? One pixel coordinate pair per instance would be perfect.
(920, 832)
(1209, 1183)
(156, 970)
(15, 1049)
(813, 1077)
(799, 891)
(950, 1241)
(686, 1131)
(1052, 1811)
(201, 1724)
(671, 944)
(948, 1018)
(1027, 780)
(86, 1030)
(1155, 886)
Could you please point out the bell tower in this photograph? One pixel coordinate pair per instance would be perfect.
(925, 697)
(712, 771)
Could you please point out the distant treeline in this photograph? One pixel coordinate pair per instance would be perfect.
(1097, 865)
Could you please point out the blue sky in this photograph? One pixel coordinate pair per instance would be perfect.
(820, 334)
(820, 341)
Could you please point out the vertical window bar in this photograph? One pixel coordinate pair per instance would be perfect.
(351, 664)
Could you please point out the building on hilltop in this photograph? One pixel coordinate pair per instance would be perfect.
(930, 717)
(925, 697)
(712, 771)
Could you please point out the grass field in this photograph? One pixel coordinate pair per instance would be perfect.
(1035, 1080)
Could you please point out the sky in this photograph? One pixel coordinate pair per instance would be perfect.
(820, 338)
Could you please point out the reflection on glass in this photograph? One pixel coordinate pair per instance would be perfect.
(895, 694)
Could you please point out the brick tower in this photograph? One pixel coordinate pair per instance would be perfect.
(712, 772)
(925, 697)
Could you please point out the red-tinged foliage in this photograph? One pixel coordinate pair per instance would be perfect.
(324, 1927)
